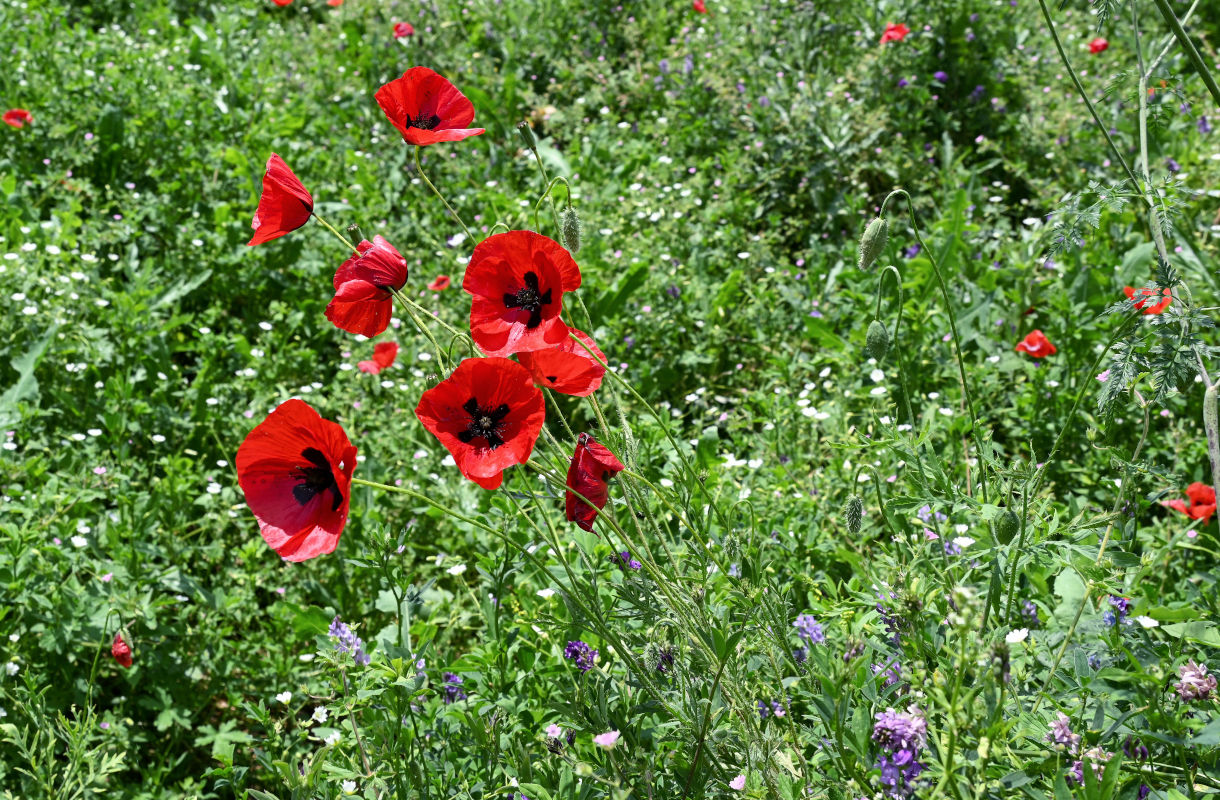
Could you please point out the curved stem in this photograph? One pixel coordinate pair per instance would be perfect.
(420, 168)
(333, 230)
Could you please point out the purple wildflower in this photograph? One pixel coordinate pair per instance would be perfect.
(900, 730)
(1134, 748)
(903, 83)
(624, 560)
(1172, 166)
(1096, 757)
(1194, 683)
(1204, 126)
(891, 673)
(940, 75)
(808, 628)
(1061, 734)
(348, 642)
(453, 688)
(674, 292)
(912, 251)
(1122, 607)
(581, 654)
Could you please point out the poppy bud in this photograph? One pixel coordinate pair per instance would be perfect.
(877, 340)
(569, 225)
(873, 241)
(854, 512)
(527, 134)
(121, 651)
(1006, 526)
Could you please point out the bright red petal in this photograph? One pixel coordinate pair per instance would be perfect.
(426, 108)
(385, 353)
(284, 206)
(567, 368)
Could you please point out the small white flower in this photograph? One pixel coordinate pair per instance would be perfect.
(265, 325)
(79, 541)
(333, 739)
(13, 637)
(963, 541)
(1017, 636)
(546, 593)
(11, 668)
(1146, 622)
(284, 697)
(158, 438)
(213, 488)
(320, 714)
(3, 713)
(456, 569)
(349, 787)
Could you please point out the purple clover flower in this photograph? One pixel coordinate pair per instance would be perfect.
(348, 642)
(624, 560)
(1194, 683)
(808, 628)
(581, 654)
(900, 736)
(1061, 734)
(912, 251)
(453, 688)
(1204, 126)
(940, 75)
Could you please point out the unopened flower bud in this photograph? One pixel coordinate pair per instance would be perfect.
(527, 134)
(877, 340)
(854, 512)
(569, 226)
(1006, 526)
(873, 242)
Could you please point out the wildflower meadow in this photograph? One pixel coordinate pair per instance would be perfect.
(561, 400)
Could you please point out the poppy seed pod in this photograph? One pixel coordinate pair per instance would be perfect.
(854, 512)
(877, 340)
(569, 225)
(1006, 526)
(527, 134)
(873, 242)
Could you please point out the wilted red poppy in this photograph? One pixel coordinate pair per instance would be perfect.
(1098, 45)
(517, 280)
(363, 303)
(402, 29)
(284, 206)
(1037, 345)
(894, 33)
(121, 651)
(1202, 502)
(383, 356)
(426, 108)
(699, 6)
(487, 414)
(18, 117)
(592, 465)
(1147, 305)
(439, 283)
(296, 471)
(568, 367)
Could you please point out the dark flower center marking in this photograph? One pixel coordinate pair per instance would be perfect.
(316, 479)
(529, 298)
(424, 122)
(484, 422)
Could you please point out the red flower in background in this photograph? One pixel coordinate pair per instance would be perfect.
(517, 280)
(334, 3)
(383, 356)
(1037, 345)
(1098, 45)
(439, 283)
(282, 3)
(402, 29)
(567, 368)
(1202, 502)
(18, 117)
(426, 108)
(894, 33)
(363, 303)
(295, 469)
(1147, 305)
(487, 414)
(121, 651)
(699, 6)
(284, 206)
(592, 465)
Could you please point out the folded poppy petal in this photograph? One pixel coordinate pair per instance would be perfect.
(568, 367)
(18, 117)
(487, 414)
(426, 108)
(1037, 345)
(592, 466)
(284, 206)
(1147, 305)
(516, 281)
(383, 356)
(1178, 505)
(1201, 493)
(295, 470)
(121, 651)
(894, 33)
(439, 283)
(363, 303)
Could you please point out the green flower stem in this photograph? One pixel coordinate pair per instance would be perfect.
(338, 235)
(546, 180)
(957, 346)
(440, 358)
(547, 195)
(420, 168)
(424, 498)
(1196, 60)
(902, 381)
(351, 716)
(1171, 38)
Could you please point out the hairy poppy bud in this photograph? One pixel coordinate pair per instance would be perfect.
(854, 512)
(569, 225)
(527, 134)
(873, 241)
(877, 340)
(1006, 526)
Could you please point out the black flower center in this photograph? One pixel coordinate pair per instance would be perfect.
(484, 422)
(316, 479)
(424, 122)
(529, 298)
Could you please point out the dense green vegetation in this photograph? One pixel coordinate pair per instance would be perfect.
(822, 529)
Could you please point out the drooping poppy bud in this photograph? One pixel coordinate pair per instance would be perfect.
(1006, 526)
(873, 242)
(854, 513)
(877, 340)
(570, 229)
(121, 651)
(592, 466)
(527, 134)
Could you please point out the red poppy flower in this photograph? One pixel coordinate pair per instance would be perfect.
(426, 108)
(487, 414)
(296, 471)
(121, 651)
(567, 368)
(18, 117)
(402, 29)
(1202, 502)
(282, 3)
(383, 356)
(1037, 345)
(592, 465)
(699, 6)
(439, 283)
(517, 280)
(363, 303)
(284, 206)
(334, 3)
(1147, 305)
(1098, 45)
(894, 33)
